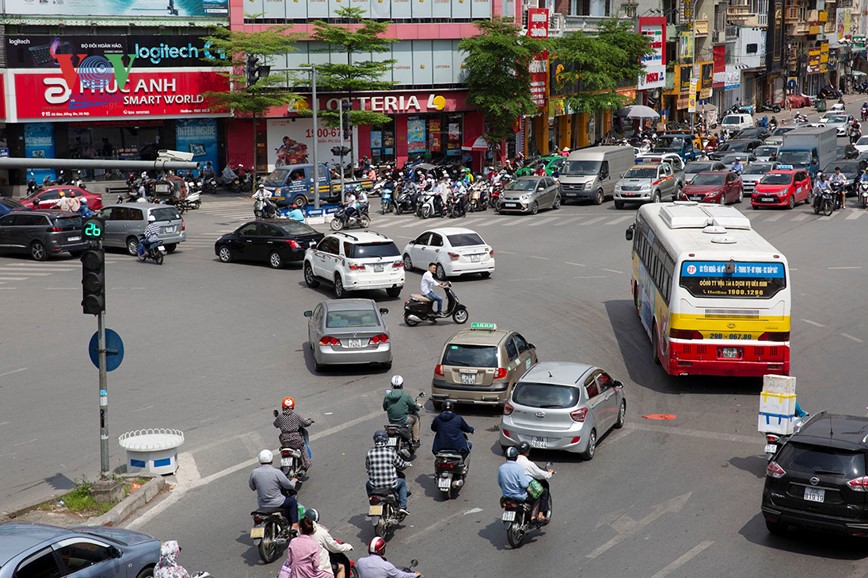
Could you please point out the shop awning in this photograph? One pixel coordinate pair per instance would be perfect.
(477, 144)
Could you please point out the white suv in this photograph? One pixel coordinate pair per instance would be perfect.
(355, 262)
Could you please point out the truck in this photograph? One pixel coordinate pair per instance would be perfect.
(678, 143)
(808, 148)
(293, 184)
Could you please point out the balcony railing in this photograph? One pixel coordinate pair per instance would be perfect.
(563, 23)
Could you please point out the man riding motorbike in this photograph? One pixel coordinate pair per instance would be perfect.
(449, 429)
(838, 182)
(268, 483)
(514, 480)
(536, 473)
(290, 423)
(427, 285)
(327, 544)
(376, 565)
(737, 167)
(383, 464)
(402, 409)
(151, 236)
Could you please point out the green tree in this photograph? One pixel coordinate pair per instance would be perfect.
(590, 68)
(498, 75)
(268, 89)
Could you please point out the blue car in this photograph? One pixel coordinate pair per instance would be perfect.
(8, 205)
(84, 552)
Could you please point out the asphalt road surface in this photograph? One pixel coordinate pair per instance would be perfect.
(212, 348)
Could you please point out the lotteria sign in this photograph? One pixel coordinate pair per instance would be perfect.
(401, 103)
(113, 92)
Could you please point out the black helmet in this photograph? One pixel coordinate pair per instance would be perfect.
(524, 448)
(380, 437)
(511, 453)
(448, 405)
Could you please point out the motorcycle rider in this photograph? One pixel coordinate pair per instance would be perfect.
(376, 565)
(402, 409)
(821, 186)
(269, 482)
(290, 423)
(865, 110)
(352, 205)
(208, 171)
(449, 432)
(536, 473)
(383, 465)
(327, 544)
(264, 195)
(514, 480)
(428, 284)
(773, 124)
(361, 199)
(839, 179)
(737, 167)
(151, 236)
(296, 214)
(168, 566)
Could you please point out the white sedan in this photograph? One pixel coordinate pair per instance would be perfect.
(861, 144)
(455, 250)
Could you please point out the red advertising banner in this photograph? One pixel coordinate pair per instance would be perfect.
(538, 22)
(114, 94)
(718, 55)
(538, 27)
(2, 97)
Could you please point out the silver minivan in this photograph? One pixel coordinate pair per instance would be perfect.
(591, 173)
(125, 223)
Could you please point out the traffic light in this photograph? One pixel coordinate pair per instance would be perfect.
(254, 71)
(93, 279)
(341, 151)
(346, 108)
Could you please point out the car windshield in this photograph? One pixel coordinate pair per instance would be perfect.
(796, 158)
(698, 167)
(837, 119)
(731, 120)
(523, 185)
(777, 179)
(810, 459)
(470, 355)
(669, 144)
(759, 168)
(545, 395)
(765, 151)
(337, 319)
(862, 141)
(296, 228)
(738, 146)
(643, 173)
(708, 179)
(276, 177)
(365, 250)
(577, 168)
(847, 167)
(165, 214)
(465, 239)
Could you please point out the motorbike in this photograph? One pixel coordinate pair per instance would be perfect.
(190, 202)
(450, 470)
(770, 106)
(774, 442)
(518, 518)
(478, 196)
(400, 436)
(271, 530)
(209, 185)
(456, 204)
(264, 209)
(340, 559)
(862, 191)
(359, 219)
(386, 198)
(824, 202)
(406, 201)
(383, 510)
(155, 253)
(430, 205)
(419, 308)
(864, 114)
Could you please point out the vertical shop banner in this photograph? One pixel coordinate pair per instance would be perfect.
(179, 9)
(538, 27)
(291, 141)
(39, 144)
(435, 135)
(197, 136)
(719, 57)
(416, 137)
(3, 97)
(653, 29)
(691, 97)
(453, 136)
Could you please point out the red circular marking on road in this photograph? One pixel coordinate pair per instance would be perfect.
(660, 416)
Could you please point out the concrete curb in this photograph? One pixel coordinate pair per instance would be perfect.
(130, 504)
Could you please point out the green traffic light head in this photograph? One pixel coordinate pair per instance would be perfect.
(93, 228)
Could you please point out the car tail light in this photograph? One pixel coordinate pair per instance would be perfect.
(398, 264)
(506, 433)
(354, 267)
(491, 253)
(575, 440)
(376, 339)
(328, 340)
(777, 472)
(684, 334)
(509, 505)
(454, 256)
(579, 415)
(293, 243)
(183, 224)
(507, 410)
(257, 519)
(858, 484)
(54, 229)
(775, 336)
(438, 370)
(500, 373)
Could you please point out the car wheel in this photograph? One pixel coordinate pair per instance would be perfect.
(309, 278)
(588, 454)
(75, 254)
(146, 573)
(598, 198)
(534, 208)
(740, 196)
(622, 414)
(339, 287)
(37, 251)
(275, 260)
(224, 254)
(722, 199)
(132, 246)
(440, 273)
(408, 263)
(170, 248)
(557, 204)
(619, 205)
(654, 345)
(776, 528)
(791, 204)
(393, 291)
(656, 198)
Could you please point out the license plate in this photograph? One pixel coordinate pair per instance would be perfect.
(354, 343)
(392, 442)
(730, 352)
(508, 515)
(378, 268)
(257, 532)
(770, 449)
(569, 194)
(510, 205)
(629, 194)
(815, 495)
(768, 199)
(444, 483)
(286, 462)
(468, 378)
(473, 258)
(375, 510)
(695, 198)
(75, 238)
(541, 443)
(169, 230)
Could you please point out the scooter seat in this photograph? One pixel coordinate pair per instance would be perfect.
(265, 511)
(417, 297)
(448, 456)
(383, 491)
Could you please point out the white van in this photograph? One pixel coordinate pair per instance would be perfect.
(591, 173)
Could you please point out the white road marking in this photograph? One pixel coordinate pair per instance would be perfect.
(683, 559)
(411, 224)
(851, 338)
(591, 277)
(4, 271)
(592, 221)
(774, 218)
(570, 220)
(814, 323)
(620, 220)
(842, 268)
(507, 253)
(19, 370)
(539, 222)
(439, 523)
(540, 258)
(147, 407)
(613, 271)
(15, 278)
(801, 217)
(575, 264)
(27, 442)
(628, 527)
(853, 215)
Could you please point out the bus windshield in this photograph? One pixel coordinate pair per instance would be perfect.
(733, 279)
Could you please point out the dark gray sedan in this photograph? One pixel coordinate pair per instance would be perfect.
(84, 552)
(349, 332)
(529, 195)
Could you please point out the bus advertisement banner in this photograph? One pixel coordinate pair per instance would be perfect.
(732, 279)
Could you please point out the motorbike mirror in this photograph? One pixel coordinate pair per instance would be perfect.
(549, 465)
(421, 394)
(275, 413)
(414, 563)
(308, 313)
(383, 310)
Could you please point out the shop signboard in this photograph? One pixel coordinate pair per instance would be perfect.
(654, 30)
(719, 63)
(706, 75)
(813, 61)
(293, 139)
(691, 97)
(2, 97)
(416, 137)
(39, 144)
(444, 73)
(684, 78)
(76, 94)
(197, 136)
(538, 27)
(179, 9)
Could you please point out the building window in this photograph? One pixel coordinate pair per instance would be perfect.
(751, 48)
(761, 9)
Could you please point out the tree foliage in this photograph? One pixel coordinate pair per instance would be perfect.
(356, 36)
(590, 68)
(498, 75)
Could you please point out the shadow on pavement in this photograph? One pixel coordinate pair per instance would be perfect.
(251, 554)
(429, 485)
(755, 465)
(805, 541)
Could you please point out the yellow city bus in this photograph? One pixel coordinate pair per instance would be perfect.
(712, 293)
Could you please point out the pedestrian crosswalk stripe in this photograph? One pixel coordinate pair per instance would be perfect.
(620, 220)
(774, 218)
(853, 215)
(592, 221)
(801, 217)
(538, 222)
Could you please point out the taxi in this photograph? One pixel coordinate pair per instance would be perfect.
(783, 187)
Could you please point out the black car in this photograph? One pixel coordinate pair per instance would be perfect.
(8, 205)
(734, 146)
(754, 132)
(818, 478)
(276, 241)
(42, 233)
(850, 168)
(782, 130)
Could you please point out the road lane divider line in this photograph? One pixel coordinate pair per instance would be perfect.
(613, 271)
(843, 268)
(10, 372)
(573, 264)
(683, 559)
(540, 258)
(851, 338)
(814, 323)
(412, 537)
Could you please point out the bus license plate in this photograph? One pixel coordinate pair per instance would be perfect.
(541, 443)
(468, 378)
(375, 510)
(257, 533)
(392, 442)
(730, 352)
(815, 495)
(508, 515)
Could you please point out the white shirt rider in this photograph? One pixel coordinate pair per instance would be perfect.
(838, 178)
(262, 194)
(428, 283)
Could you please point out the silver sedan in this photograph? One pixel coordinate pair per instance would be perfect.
(529, 195)
(348, 332)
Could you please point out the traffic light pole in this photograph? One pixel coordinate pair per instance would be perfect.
(341, 129)
(103, 398)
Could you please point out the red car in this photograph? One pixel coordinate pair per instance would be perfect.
(47, 197)
(720, 187)
(782, 188)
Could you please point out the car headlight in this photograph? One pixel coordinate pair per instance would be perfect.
(525, 197)
(617, 188)
(646, 187)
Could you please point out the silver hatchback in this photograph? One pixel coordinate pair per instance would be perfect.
(563, 406)
(125, 223)
(529, 195)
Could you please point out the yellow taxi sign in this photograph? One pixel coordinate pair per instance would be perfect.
(483, 326)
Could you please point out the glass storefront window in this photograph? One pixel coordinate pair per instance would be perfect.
(383, 143)
(112, 141)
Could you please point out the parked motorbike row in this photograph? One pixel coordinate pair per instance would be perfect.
(184, 197)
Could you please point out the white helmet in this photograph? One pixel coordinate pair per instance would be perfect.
(266, 457)
(151, 218)
(397, 381)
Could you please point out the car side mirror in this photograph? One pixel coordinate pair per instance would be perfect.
(115, 552)
(629, 232)
(531, 346)
(618, 384)
(308, 313)
(383, 310)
